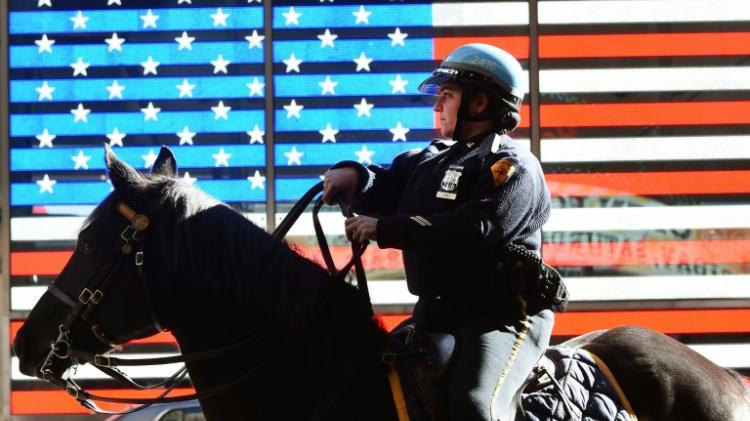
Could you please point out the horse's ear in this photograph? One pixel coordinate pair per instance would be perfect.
(165, 163)
(124, 178)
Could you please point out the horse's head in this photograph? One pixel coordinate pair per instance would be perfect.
(100, 298)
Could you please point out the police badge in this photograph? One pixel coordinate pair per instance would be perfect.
(449, 184)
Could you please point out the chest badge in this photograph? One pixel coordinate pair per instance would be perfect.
(501, 171)
(449, 184)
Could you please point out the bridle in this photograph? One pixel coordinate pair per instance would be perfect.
(62, 349)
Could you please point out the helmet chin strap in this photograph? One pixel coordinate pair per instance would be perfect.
(463, 114)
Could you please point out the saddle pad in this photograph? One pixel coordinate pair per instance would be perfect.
(592, 395)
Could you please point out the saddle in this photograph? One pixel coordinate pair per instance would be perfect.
(567, 383)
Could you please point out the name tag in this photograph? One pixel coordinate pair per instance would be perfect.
(449, 184)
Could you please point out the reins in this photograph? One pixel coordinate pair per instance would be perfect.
(91, 295)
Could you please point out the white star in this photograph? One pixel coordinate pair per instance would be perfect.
(81, 160)
(364, 155)
(327, 38)
(186, 136)
(114, 43)
(292, 17)
(111, 2)
(363, 62)
(79, 20)
(187, 176)
(328, 86)
(329, 133)
(220, 65)
(150, 112)
(80, 114)
(399, 132)
(363, 108)
(255, 40)
(362, 15)
(149, 19)
(293, 110)
(220, 18)
(45, 91)
(79, 67)
(45, 44)
(222, 158)
(397, 37)
(398, 85)
(186, 89)
(47, 3)
(45, 138)
(115, 90)
(184, 41)
(256, 135)
(221, 111)
(45, 184)
(148, 160)
(115, 138)
(257, 181)
(293, 156)
(149, 66)
(255, 87)
(292, 63)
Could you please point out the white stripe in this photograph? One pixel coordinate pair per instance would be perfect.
(645, 79)
(616, 288)
(726, 355)
(65, 228)
(89, 372)
(610, 289)
(625, 149)
(480, 14)
(633, 11)
(648, 218)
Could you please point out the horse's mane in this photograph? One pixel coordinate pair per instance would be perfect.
(215, 246)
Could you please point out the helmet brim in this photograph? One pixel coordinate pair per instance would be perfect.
(431, 85)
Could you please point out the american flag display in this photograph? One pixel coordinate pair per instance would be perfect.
(643, 118)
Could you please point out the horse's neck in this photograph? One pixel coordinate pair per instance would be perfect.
(238, 282)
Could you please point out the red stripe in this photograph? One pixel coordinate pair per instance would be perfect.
(647, 253)
(158, 339)
(673, 322)
(560, 254)
(645, 45)
(694, 321)
(517, 46)
(31, 402)
(645, 114)
(26, 263)
(649, 183)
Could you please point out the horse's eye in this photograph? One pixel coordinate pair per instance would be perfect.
(85, 246)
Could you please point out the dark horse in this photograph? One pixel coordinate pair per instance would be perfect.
(158, 252)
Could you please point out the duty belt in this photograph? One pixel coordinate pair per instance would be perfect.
(522, 272)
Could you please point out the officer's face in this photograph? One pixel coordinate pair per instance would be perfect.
(449, 99)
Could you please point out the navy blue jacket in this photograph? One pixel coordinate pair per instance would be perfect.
(449, 205)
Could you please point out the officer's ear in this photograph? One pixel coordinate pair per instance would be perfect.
(479, 103)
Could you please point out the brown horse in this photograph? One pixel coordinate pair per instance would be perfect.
(267, 334)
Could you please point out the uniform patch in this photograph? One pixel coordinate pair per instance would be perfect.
(449, 184)
(501, 171)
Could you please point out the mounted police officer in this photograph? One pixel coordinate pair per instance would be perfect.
(455, 208)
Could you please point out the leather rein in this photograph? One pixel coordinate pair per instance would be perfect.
(81, 309)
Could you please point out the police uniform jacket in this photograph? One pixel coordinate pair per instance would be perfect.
(450, 205)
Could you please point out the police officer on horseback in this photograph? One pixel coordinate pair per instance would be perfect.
(467, 212)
